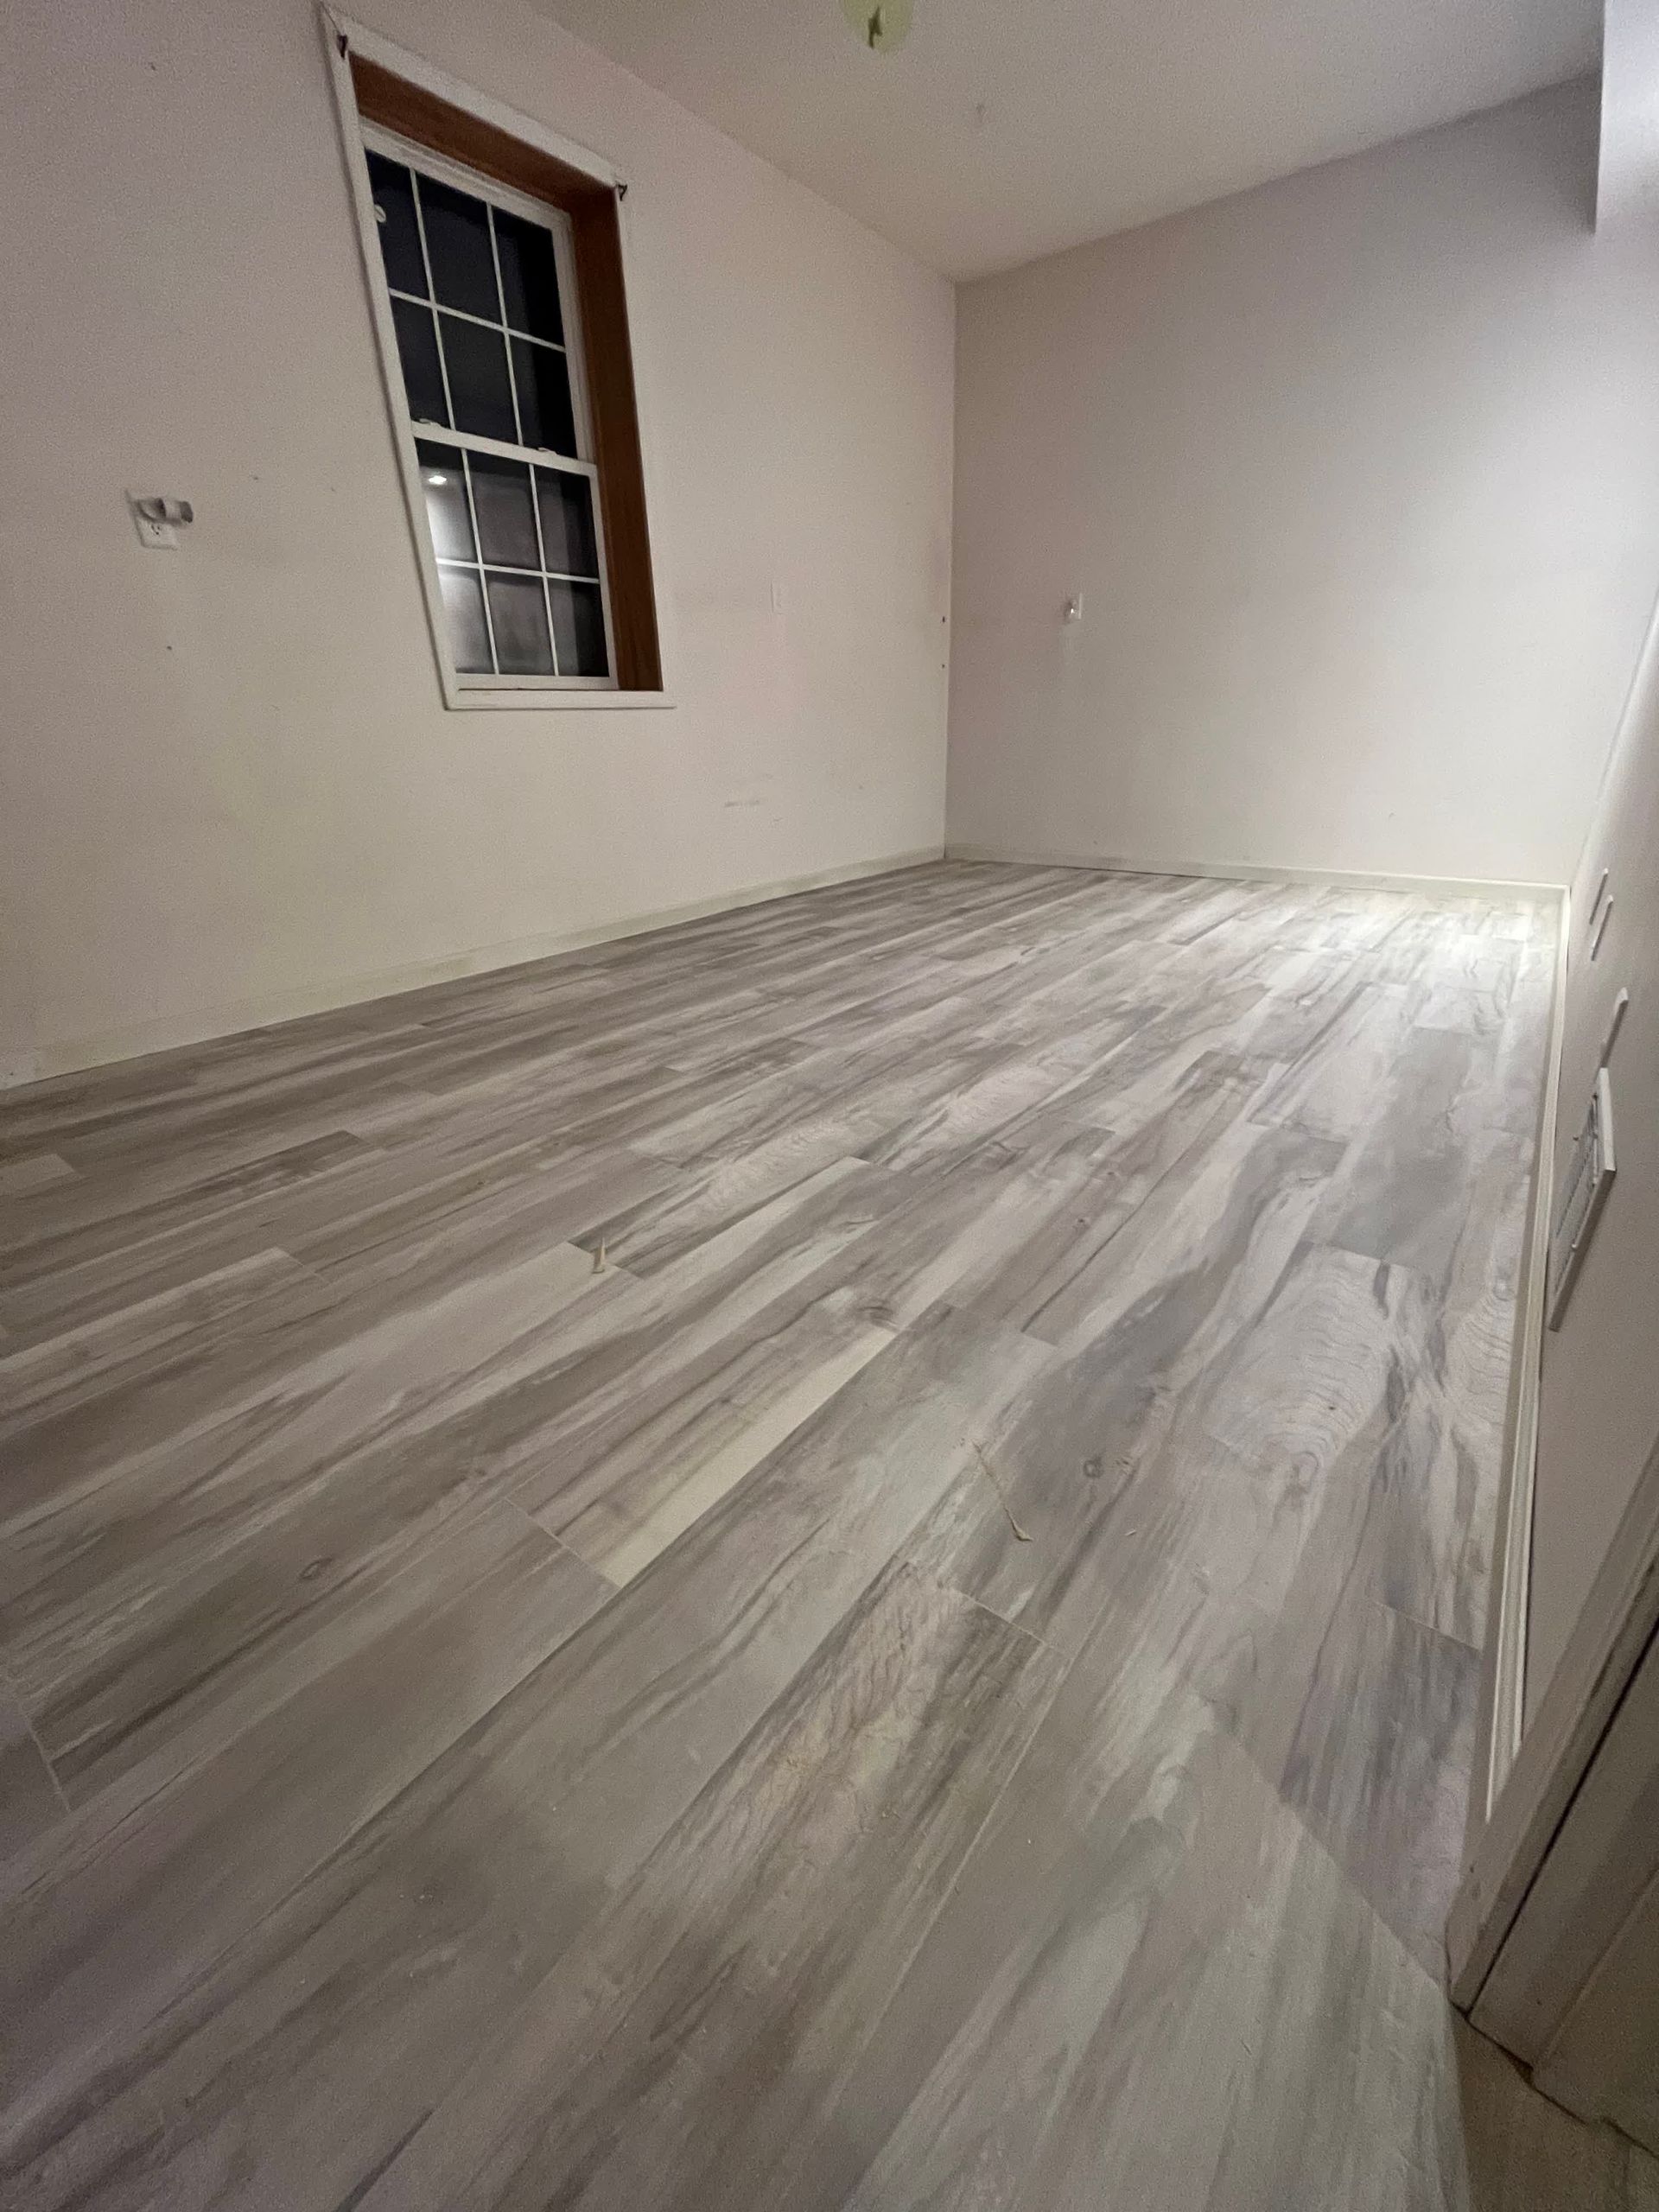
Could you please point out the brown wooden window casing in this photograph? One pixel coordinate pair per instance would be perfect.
(420, 117)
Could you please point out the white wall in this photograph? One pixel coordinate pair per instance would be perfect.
(1358, 476)
(228, 788)
(1627, 177)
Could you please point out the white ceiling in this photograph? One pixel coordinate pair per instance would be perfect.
(1006, 128)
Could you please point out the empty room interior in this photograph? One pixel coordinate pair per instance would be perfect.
(830, 1106)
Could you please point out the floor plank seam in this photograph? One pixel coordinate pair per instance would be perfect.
(973, 1747)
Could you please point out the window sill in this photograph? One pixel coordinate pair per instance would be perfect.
(535, 702)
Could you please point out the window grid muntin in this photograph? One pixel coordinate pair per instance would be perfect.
(512, 386)
(511, 336)
(421, 163)
(552, 345)
(482, 567)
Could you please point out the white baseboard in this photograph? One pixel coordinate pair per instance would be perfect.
(68, 1055)
(1448, 886)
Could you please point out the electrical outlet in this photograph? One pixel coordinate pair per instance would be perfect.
(157, 520)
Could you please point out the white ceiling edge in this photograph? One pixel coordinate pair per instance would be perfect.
(998, 136)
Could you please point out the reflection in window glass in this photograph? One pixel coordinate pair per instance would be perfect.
(518, 617)
(444, 483)
(463, 609)
(506, 519)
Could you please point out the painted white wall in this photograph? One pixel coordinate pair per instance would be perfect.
(1358, 477)
(1627, 178)
(228, 787)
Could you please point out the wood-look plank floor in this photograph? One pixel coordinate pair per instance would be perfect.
(834, 1558)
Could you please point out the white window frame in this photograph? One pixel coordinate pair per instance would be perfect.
(343, 37)
(376, 139)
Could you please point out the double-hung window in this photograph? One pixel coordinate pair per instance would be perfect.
(495, 255)
(482, 292)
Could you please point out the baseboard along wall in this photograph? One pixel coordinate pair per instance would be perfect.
(67, 1056)
(1453, 886)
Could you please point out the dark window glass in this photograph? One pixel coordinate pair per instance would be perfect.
(529, 277)
(417, 349)
(394, 218)
(568, 537)
(519, 616)
(444, 486)
(477, 361)
(506, 520)
(458, 247)
(544, 397)
(579, 627)
(463, 607)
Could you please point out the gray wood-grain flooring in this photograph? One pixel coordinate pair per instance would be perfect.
(834, 1558)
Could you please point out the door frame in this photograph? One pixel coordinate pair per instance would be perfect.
(1620, 1622)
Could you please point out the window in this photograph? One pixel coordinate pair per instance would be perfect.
(482, 289)
(500, 308)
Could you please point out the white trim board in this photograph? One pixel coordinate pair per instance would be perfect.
(1527, 1780)
(1610, 1639)
(1449, 886)
(415, 69)
(1501, 1712)
(69, 1055)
